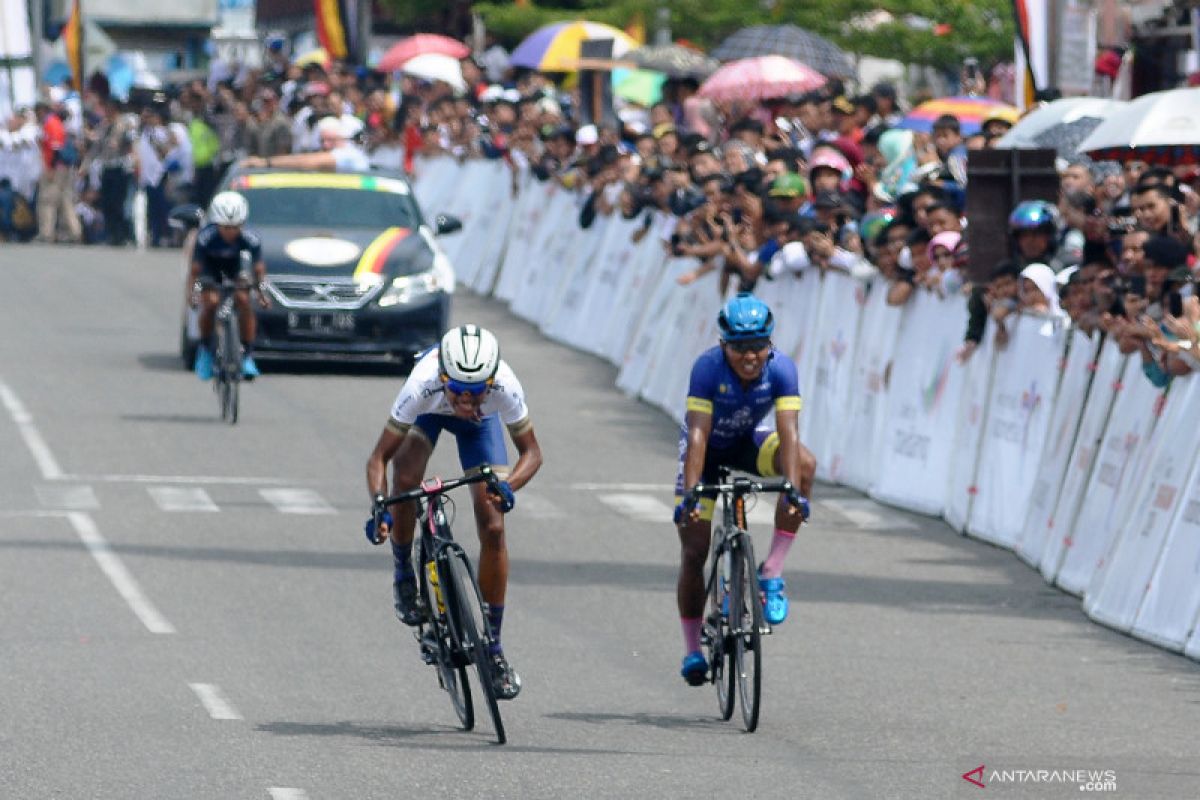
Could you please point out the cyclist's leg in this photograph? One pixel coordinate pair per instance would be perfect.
(694, 538)
(246, 320)
(408, 468)
(210, 298)
(769, 463)
(482, 444)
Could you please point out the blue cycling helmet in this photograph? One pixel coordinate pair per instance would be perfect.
(745, 317)
(1033, 215)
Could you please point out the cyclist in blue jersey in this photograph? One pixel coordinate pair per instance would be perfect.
(743, 410)
(224, 249)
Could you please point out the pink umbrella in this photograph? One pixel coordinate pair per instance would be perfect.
(419, 45)
(760, 78)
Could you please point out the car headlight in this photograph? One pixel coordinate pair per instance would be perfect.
(407, 288)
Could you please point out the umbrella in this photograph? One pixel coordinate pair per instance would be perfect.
(320, 57)
(1047, 118)
(436, 67)
(970, 112)
(1158, 128)
(419, 45)
(555, 48)
(787, 40)
(675, 61)
(641, 86)
(760, 78)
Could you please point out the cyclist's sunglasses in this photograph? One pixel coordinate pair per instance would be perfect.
(460, 387)
(749, 345)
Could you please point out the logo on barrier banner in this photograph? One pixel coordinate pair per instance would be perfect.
(932, 394)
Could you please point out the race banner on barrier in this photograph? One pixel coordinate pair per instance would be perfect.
(862, 427)
(616, 255)
(1170, 611)
(638, 281)
(542, 266)
(922, 406)
(562, 309)
(1069, 403)
(532, 205)
(1114, 480)
(1082, 463)
(1018, 421)
(841, 304)
(968, 428)
(1122, 577)
(636, 363)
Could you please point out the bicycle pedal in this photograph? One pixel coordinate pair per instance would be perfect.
(765, 630)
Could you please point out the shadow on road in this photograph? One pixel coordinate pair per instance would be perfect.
(188, 419)
(415, 736)
(672, 722)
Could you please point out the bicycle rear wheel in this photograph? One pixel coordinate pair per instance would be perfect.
(716, 629)
(464, 604)
(231, 359)
(746, 619)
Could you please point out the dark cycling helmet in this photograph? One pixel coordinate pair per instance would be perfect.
(1033, 215)
(745, 317)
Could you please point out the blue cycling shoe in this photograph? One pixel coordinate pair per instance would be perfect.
(775, 608)
(249, 368)
(204, 363)
(695, 669)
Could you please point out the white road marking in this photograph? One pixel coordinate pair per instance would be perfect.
(67, 498)
(176, 498)
(297, 501)
(215, 702)
(190, 479)
(29, 432)
(868, 515)
(278, 793)
(114, 568)
(638, 506)
(535, 506)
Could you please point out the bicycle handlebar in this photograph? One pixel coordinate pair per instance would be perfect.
(436, 486)
(742, 486)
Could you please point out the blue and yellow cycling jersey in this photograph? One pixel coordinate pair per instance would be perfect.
(736, 410)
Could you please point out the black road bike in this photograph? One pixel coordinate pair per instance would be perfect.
(455, 634)
(227, 358)
(734, 626)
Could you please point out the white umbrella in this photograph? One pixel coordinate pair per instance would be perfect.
(1158, 128)
(1067, 111)
(436, 67)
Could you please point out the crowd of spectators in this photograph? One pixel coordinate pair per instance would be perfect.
(824, 180)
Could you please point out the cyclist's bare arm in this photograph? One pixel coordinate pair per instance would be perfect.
(529, 458)
(699, 426)
(787, 424)
(387, 446)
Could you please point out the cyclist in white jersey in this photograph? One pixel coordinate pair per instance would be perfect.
(464, 388)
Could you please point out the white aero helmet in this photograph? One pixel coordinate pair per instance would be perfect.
(228, 208)
(469, 354)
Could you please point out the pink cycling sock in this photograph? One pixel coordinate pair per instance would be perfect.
(772, 567)
(691, 633)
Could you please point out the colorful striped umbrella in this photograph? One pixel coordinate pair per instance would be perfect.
(760, 78)
(970, 111)
(1158, 128)
(555, 48)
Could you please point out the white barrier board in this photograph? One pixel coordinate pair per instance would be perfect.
(1122, 578)
(1018, 423)
(1068, 413)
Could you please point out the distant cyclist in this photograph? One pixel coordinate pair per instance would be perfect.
(743, 408)
(224, 250)
(464, 388)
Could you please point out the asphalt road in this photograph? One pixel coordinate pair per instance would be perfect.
(173, 627)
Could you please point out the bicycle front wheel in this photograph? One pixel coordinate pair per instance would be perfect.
(231, 358)
(453, 678)
(716, 628)
(746, 621)
(464, 607)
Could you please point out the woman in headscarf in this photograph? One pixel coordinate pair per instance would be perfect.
(1038, 291)
(896, 147)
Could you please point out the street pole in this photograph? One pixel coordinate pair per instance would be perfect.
(662, 36)
(37, 16)
(364, 31)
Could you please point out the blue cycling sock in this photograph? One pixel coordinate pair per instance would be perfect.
(402, 555)
(495, 618)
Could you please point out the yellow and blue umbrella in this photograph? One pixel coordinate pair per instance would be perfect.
(555, 48)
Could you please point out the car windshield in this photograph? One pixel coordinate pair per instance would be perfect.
(330, 208)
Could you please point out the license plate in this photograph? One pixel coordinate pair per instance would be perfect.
(336, 323)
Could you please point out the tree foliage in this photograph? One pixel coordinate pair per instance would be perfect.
(937, 33)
